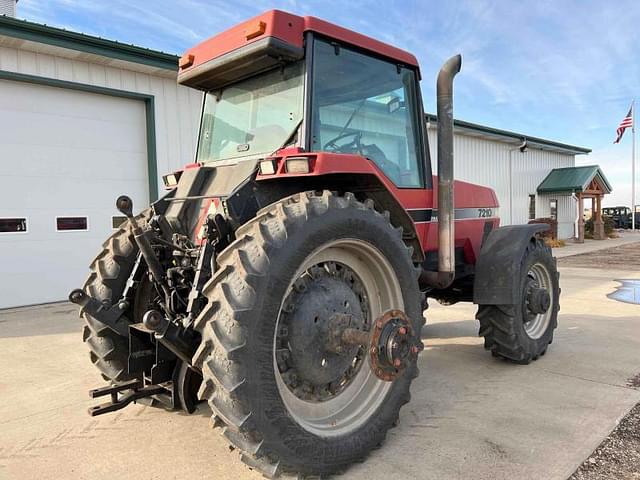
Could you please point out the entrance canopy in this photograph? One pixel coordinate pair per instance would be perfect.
(588, 180)
(584, 182)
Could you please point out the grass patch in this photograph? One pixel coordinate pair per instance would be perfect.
(554, 242)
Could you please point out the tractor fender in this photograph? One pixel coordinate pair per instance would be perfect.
(499, 264)
(346, 173)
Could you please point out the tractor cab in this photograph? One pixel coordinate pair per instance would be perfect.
(312, 92)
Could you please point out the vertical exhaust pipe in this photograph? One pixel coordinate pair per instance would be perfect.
(446, 212)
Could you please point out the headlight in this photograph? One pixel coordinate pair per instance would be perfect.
(267, 167)
(297, 165)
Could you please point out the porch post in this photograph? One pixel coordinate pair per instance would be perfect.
(598, 224)
(580, 238)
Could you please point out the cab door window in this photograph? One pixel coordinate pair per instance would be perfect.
(366, 106)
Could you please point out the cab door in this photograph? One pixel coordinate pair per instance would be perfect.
(370, 106)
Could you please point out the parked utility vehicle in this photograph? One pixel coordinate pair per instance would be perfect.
(283, 277)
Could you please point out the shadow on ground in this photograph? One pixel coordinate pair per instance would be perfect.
(51, 319)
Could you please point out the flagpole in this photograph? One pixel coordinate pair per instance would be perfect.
(633, 166)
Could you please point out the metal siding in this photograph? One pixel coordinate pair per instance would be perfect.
(173, 112)
(8, 8)
(486, 162)
(566, 212)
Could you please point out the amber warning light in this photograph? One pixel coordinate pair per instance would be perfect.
(255, 30)
(186, 61)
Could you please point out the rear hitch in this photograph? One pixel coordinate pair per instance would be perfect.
(161, 347)
(177, 392)
(134, 390)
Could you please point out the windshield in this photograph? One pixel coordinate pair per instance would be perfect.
(256, 116)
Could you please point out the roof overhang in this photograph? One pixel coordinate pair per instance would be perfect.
(38, 37)
(259, 34)
(511, 138)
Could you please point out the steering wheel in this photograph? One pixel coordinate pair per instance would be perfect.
(376, 154)
(354, 144)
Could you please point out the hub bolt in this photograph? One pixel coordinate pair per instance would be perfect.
(397, 362)
(402, 331)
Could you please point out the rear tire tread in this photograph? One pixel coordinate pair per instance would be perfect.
(231, 295)
(109, 271)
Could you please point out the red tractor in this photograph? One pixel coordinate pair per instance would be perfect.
(284, 275)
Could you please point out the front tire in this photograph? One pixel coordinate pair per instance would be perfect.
(521, 332)
(277, 426)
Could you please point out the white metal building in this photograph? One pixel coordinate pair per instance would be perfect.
(84, 119)
(514, 165)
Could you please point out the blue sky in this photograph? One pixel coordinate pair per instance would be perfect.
(564, 70)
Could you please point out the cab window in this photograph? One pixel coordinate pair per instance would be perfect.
(366, 106)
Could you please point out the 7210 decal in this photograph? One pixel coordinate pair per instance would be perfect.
(485, 212)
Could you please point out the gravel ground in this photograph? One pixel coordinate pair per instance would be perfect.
(623, 257)
(618, 456)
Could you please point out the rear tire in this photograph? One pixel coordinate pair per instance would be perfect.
(110, 270)
(239, 328)
(511, 331)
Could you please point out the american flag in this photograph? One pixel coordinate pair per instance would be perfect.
(624, 124)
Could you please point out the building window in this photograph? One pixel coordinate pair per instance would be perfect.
(66, 224)
(532, 207)
(553, 209)
(117, 220)
(13, 225)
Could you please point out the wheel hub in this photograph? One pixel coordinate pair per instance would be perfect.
(393, 345)
(342, 407)
(327, 299)
(538, 300)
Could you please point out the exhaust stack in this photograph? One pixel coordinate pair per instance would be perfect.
(446, 225)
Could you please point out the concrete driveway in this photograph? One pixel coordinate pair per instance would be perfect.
(471, 416)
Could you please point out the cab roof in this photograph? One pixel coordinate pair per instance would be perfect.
(289, 28)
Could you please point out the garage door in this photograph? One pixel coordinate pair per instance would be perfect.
(65, 156)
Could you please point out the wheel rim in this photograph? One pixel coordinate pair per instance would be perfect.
(358, 400)
(536, 323)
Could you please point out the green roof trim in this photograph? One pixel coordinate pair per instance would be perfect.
(506, 134)
(573, 180)
(59, 37)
